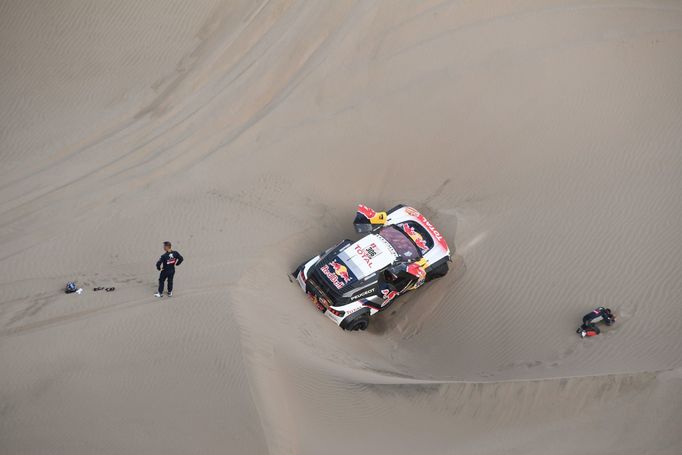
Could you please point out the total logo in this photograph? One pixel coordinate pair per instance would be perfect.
(368, 252)
(432, 229)
(337, 274)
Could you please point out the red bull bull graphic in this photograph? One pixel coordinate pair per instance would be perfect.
(337, 273)
(429, 227)
(416, 237)
(418, 271)
(366, 211)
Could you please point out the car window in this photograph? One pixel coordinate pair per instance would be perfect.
(418, 234)
(402, 245)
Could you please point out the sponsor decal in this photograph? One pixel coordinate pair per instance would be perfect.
(352, 311)
(418, 271)
(387, 245)
(432, 230)
(416, 237)
(412, 212)
(366, 211)
(337, 273)
(368, 253)
(363, 293)
(373, 250)
(429, 227)
(388, 295)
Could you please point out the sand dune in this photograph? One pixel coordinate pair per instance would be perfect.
(542, 137)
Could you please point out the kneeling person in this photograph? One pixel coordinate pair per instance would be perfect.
(590, 320)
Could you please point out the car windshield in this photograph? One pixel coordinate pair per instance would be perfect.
(402, 245)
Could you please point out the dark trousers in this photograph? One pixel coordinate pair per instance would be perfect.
(166, 275)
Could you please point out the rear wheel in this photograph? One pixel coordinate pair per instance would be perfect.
(438, 272)
(360, 324)
(356, 322)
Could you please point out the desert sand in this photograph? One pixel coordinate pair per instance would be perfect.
(543, 138)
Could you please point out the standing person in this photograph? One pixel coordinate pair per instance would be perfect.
(166, 264)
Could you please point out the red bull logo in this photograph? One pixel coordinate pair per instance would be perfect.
(429, 227)
(337, 274)
(341, 271)
(417, 270)
(416, 237)
(366, 211)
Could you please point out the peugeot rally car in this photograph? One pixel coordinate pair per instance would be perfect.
(355, 280)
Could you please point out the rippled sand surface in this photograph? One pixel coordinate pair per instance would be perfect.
(543, 138)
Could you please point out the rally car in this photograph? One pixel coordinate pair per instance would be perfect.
(355, 280)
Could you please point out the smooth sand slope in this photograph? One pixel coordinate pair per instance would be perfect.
(544, 138)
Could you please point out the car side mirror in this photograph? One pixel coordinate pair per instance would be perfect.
(397, 268)
(367, 219)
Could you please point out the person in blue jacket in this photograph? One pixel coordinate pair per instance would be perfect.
(166, 265)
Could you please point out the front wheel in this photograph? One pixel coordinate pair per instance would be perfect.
(438, 272)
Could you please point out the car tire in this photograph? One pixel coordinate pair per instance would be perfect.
(356, 322)
(437, 272)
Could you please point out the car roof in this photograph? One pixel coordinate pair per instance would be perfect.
(440, 246)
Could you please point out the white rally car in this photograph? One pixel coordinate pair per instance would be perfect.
(355, 280)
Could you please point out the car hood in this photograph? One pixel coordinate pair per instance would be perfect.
(368, 255)
(358, 260)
